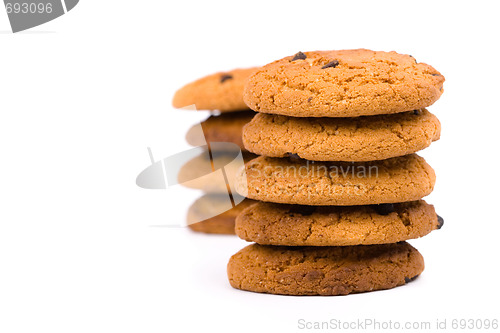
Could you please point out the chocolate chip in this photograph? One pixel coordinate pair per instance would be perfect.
(302, 210)
(333, 64)
(408, 280)
(440, 222)
(436, 74)
(225, 77)
(309, 100)
(416, 112)
(299, 56)
(292, 156)
(384, 209)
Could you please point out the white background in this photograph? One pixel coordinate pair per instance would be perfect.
(83, 96)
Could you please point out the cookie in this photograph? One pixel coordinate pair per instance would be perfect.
(294, 225)
(226, 127)
(198, 174)
(302, 182)
(346, 83)
(366, 138)
(214, 214)
(324, 270)
(221, 91)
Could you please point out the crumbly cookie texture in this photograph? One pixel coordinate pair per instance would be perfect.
(214, 214)
(221, 91)
(346, 83)
(342, 139)
(293, 225)
(328, 271)
(302, 182)
(226, 127)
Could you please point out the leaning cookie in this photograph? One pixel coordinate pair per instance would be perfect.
(226, 127)
(221, 91)
(302, 182)
(346, 83)
(342, 139)
(215, 214)
(324, 270)
(295, 225)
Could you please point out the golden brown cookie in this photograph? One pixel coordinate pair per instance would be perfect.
(214, 214)
(294, 225)
(346, 83)
(226, 127)
(302, 182)
(324, 270)
(356, 139)
(198, 174)
(221, 91)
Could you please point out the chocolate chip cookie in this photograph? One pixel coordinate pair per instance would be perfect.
(302, 182)
(356, 139)
(294, 225)
(324, 270)
(221, 91)
(346, 83)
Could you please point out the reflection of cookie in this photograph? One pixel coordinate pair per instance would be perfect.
(342, 139)
(220, 91)
(283, 180)
(345, 83)
(276, 224)
(215, 213)
(197, 172)
(226, 127)
(328, 270)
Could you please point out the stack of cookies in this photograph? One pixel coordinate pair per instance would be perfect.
(338, 183)
(222, 95)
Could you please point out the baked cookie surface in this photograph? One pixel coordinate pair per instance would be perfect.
(221, 91)
(345, 83)
(302, 182)
(342, 139)
(226, 127)
(337, 270)
(214, 214)
(293, 225)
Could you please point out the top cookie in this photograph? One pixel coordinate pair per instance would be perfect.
(221, 91)
(346, 83)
